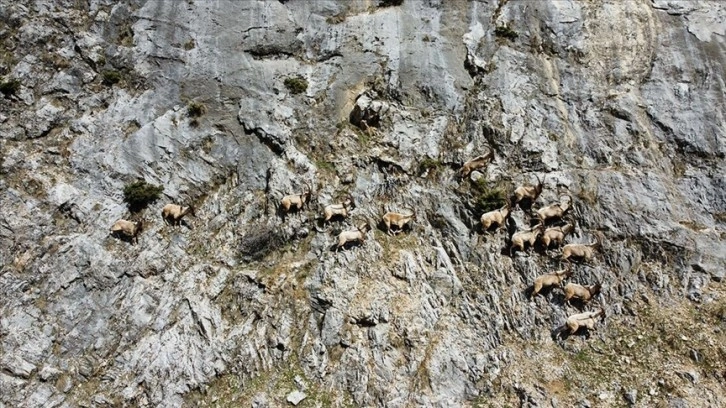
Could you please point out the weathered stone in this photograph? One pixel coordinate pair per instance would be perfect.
(631, 396)
(296, 397)
(618, 104)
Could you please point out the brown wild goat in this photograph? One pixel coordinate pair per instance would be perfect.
(173, 214)
(551, 279)
(128, 229)
(338, 209)
(554, 211)
(556, 235)
(295, 201)
(528, 192)
(584, 293)
(584, 252)
(520, 239)
(587, 319)
(476, 163)
(397, 219)
(496, 217)
(358, 235)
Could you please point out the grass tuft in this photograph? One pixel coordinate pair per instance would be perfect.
(503, 31)
(110, 77)
(296, 85)
(196, 109)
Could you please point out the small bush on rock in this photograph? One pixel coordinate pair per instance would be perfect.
(389, 3)
(429, 164)
(10, 87)
(296, 85)
(139, 194)
(489, 198)
(110, 77)
(505, 32)
(196, 109)
(259, 241)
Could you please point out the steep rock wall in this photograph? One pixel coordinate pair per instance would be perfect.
(619, 104)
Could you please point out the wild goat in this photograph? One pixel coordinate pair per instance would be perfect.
(584, 252)
(528, 192)
(551, 279)
(496, 217)
(358, 236)
(296, 201)
(173, 214)
(554, 211)
(476, 163)
(556, 235)
(520, 239)
(587, 319)
(584, 293)
(397, 219)
(338, 209)
(128, 229)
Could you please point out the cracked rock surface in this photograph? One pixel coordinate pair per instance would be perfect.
(232, 105)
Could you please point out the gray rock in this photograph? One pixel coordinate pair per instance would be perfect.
(631, 396)
(295, 397)
(435, 316)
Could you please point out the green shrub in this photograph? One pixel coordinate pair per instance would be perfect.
(296, 85)
(489, 198)
(110, 77)
(10, 87)
(389, 3)
(505, 32)
(325, 165)
(428, 164)
(336, 19)
(196, 109)
(139, 194)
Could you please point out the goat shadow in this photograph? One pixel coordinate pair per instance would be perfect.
(579, 304)
(182, 223)
(346, 246)
(123, 237)
(394, 229)
(525, 203)
(284, 214)
(562, 333)
(547, 292)
(511, 229)
(321, 224)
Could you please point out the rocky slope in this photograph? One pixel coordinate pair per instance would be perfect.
(230, 105)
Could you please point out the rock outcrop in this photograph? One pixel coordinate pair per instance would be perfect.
(231, 105)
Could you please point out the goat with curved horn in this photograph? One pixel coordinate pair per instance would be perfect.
(296, 201)
(522, 238)
(529, 192)
(496, 217)
(358, 235)
(341, 209)
(551, 279)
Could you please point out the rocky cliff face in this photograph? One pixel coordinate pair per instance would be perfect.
(230, 105)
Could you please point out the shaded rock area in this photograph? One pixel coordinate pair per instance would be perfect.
(233, 105)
